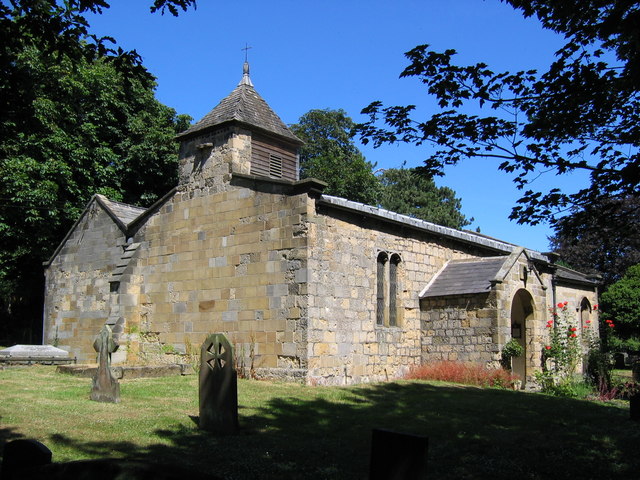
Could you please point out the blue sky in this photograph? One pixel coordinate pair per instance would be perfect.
(341, 54)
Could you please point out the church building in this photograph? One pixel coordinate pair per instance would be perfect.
(307, 287)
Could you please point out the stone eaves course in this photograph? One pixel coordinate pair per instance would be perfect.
(439, 230)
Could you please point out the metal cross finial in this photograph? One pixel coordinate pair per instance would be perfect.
(245, 68)
(246, 52)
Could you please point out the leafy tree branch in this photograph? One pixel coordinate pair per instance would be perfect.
(580, 114)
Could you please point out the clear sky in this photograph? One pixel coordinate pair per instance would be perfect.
(341, 54)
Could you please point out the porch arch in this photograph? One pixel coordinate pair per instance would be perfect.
(522, 316)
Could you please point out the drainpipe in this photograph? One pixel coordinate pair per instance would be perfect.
(553, 258)
(44, 310)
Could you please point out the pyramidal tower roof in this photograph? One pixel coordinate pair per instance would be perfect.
(245, 106)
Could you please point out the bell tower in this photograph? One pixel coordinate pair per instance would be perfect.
(242, 134)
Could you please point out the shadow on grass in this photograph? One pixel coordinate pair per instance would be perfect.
(473, 433)
(8, 434)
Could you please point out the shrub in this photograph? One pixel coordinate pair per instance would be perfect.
(510, 350)
(599, 370)
(465, 373)
(563, 350)
(621, 304)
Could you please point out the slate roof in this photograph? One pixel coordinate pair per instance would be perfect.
(245, 106)
(461, 277)
(124, 212)
(572, 276)
(411, 222)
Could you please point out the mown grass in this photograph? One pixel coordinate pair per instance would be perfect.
(293, 431)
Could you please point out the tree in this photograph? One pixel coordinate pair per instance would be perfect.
(602, 238)
(75, 119)
(406, 192)
(621, 304)
(330, 155)
(57, 29)
(581, 114)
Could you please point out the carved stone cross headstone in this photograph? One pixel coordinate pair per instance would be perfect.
(218, 390)
(105, 386)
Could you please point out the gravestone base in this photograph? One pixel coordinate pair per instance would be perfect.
(220, 413)
(105, 390)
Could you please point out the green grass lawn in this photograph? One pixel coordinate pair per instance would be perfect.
(293, 431)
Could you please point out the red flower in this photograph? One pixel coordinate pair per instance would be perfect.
(548, 347)
(611, 325)
(609, 321)
(588, 322)
(595, 307)
(560, 305)
(565, 304)
(573, 335)
(573, 329)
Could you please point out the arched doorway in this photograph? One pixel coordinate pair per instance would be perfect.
(522, 312)
(585, 315)
(587, 332)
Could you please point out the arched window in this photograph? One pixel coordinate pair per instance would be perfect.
(387, 289)
(585, 314)
(393, 290)
(381, 288)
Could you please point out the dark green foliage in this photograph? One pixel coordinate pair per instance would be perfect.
(601, 238)
(76, 119)
(511, 349)
(405, 191)
(621, 303)
(598, 371)
(330, 155)
(581, 114)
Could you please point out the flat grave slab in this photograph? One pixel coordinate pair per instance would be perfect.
(47, 354)
(34, 351)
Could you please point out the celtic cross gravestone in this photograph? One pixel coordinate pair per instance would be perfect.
(105, 386)
(218, 390)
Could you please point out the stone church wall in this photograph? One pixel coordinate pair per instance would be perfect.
(77, 283)
(575, 295)
(460, 328)
(580, 306)
(233, 262)
(345, 343)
